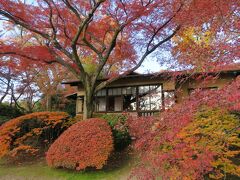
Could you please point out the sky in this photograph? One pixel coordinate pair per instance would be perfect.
(151, 65)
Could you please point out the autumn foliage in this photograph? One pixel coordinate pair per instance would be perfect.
(195, 139)
(113, 38)
(29, 136)
(140, 127)
(85, 144)
(213, 134)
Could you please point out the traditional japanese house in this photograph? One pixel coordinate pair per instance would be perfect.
(149, 94)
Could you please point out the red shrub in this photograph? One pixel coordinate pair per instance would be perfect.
(29, 136)
(139, 127)
(85, 144)
(175, 148)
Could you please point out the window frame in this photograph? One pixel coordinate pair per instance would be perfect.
(137, 98)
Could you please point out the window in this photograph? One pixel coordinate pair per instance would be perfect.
(129, 98)
(101, 92)
(111, 103)
(100, 101)
(129, 90)
(169, 99)
(118, 104)
(129, 102)
(150, 98)
(100, 104)
(146, 98)
(114, 99)
(114, 103)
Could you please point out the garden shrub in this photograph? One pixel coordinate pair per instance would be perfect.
(8, 112)
(29, 136)
(140, 127)
(196, 139)
(216, 131)
(118, 124)
(3, 119)
(87, 143)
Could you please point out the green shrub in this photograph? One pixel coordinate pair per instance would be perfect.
(70, 108)
(3, 119)
(8, 112)
(118, 123)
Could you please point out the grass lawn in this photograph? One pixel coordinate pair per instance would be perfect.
(40, 171)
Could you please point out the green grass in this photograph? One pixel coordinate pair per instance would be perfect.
(41, 171)
(118, 169)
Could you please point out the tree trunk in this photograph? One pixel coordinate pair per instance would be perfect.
(88, 101)
(48, 102)
(89, 108)
(6, 92)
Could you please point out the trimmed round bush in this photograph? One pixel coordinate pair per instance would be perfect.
(87, 143)
(29, 136)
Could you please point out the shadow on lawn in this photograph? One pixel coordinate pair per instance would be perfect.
(118, 167)
(116, 161)
(119, 159)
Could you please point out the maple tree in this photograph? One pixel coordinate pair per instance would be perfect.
(115, 36)
(25, 85)
(17, 84)
(5, 82)
(213, 131)
(48, 80)
(196, 138)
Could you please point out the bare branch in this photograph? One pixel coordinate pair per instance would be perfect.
(91, 46)
(109, 51)
(23, 24)
(162, 26)
(75, 11)
(85, 22)
(25, 56)
(81, 27)
(105, 83)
